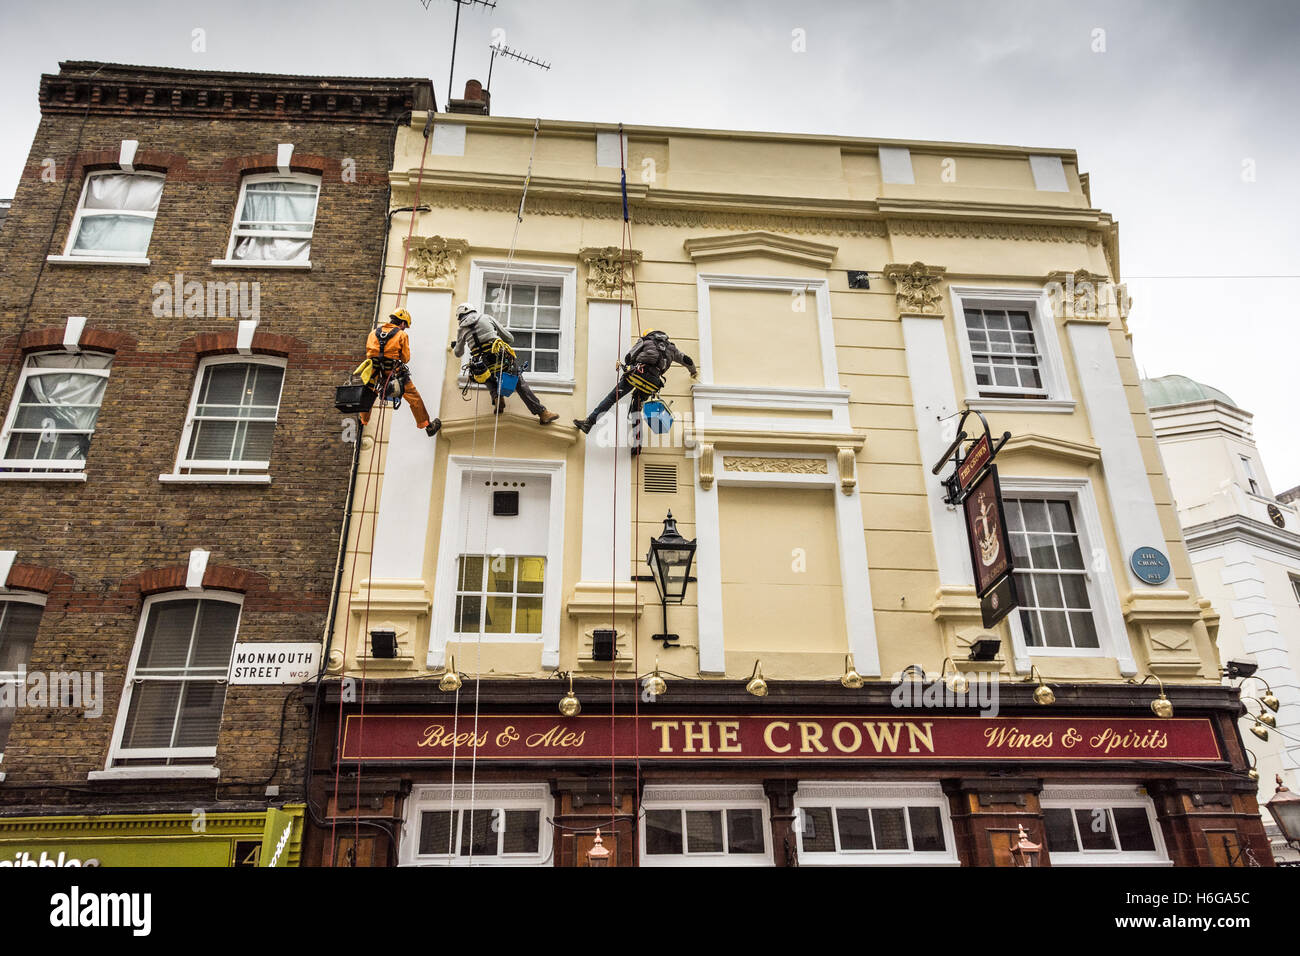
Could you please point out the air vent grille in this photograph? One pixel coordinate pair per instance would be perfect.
(659, 478)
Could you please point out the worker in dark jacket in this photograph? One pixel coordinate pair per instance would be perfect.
(479, 333)
(644, 368)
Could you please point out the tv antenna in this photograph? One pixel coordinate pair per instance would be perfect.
(503, 50)
(455, 34)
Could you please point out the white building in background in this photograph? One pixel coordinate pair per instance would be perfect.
(1245, 548)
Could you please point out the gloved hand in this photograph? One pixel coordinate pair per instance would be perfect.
(695, 371)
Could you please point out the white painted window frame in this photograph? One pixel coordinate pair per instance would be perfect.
(65, 469)
(1086, 798)
(705, 798)
(483, 270)
(116, 751)
(236, 234)
(451, 543)
(1052, 367)
(81, 213)
(17, 597)
(850, 795)
(249, 472)
(484, 797)
(859, 618)
(1103, 589)
(820, 298)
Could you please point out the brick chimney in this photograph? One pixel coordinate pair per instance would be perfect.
(476, 100)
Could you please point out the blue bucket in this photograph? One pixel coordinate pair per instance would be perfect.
(507, 383)
(657, 414)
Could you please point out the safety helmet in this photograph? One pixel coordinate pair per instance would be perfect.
(465, 308)
(401, 315)
(649, 332)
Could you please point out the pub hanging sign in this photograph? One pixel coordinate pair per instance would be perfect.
(974, 485)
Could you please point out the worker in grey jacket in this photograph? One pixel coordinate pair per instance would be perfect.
(477, 331)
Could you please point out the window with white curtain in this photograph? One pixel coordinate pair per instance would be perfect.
(275, 218)
(176, 684)
(705, 826)
(231, 423)
(116, 214)
(19, 619)
(52, 419)
(488, 825)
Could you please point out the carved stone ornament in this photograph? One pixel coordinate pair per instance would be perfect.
(776, 466)
(605, 279)
(848, 465)
(432, 261)
(917, 288)
(706, 466)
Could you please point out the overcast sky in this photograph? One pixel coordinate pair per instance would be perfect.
(1185, 106)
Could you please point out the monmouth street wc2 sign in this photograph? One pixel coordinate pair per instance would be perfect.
(423, 737)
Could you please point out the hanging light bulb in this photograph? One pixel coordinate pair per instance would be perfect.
(957, 681)
(757, 686)
(569, 705)
(1162, 706)
(1271, 702)
(1253, 773)
(1042, 693)
(851, 678)
(450, 682)
(1259, 730)
(654, 685)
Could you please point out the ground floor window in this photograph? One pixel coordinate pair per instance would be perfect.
(480, 826)
(709, 826)
(1107, 826)
(872, 824)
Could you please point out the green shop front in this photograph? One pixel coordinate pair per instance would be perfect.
(271, 837)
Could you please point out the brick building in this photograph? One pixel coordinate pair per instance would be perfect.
(188, 267)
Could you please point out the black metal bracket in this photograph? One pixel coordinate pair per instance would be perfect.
(955, 495)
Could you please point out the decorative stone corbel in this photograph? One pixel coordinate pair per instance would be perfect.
(848, 465)
(609, 271)
(706, 466)
(1085, 295)
(917, 287)
(432, 261)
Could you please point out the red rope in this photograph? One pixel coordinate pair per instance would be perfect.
(401, 284)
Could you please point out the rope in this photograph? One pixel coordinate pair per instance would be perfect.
(401, 283)
(496, 423)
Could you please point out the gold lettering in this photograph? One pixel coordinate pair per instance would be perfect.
(691, 735)
(925, 736)
(507, 736)
(839, 744)
(880, 735)
(727, 733)
(664, 726)
(810, 736)
(767, 736)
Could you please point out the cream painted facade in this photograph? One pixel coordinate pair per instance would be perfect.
(1246, 560)
(802, 455)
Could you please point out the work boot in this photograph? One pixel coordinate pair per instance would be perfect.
(501, 405)
(431, 429)
(582, 425)
(546, 416)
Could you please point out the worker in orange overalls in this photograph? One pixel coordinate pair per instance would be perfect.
(389, 349)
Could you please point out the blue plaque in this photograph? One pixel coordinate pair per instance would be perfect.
(1150, 565)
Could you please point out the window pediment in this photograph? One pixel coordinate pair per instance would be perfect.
(740, 245)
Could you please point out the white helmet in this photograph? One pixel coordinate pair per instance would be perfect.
(465, 308)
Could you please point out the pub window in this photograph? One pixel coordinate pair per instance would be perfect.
(872, 825)
(496, 825)
(705, 827)
(1082, 831)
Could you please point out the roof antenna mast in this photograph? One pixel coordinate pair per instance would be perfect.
(503, 50)
(455, 35)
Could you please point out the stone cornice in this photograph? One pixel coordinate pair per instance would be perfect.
(1240, 528)
(508, 426)
(585, 199)
(761, 244)
(112, 89)
(1071, 451)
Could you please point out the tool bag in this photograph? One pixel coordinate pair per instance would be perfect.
(354, 398)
